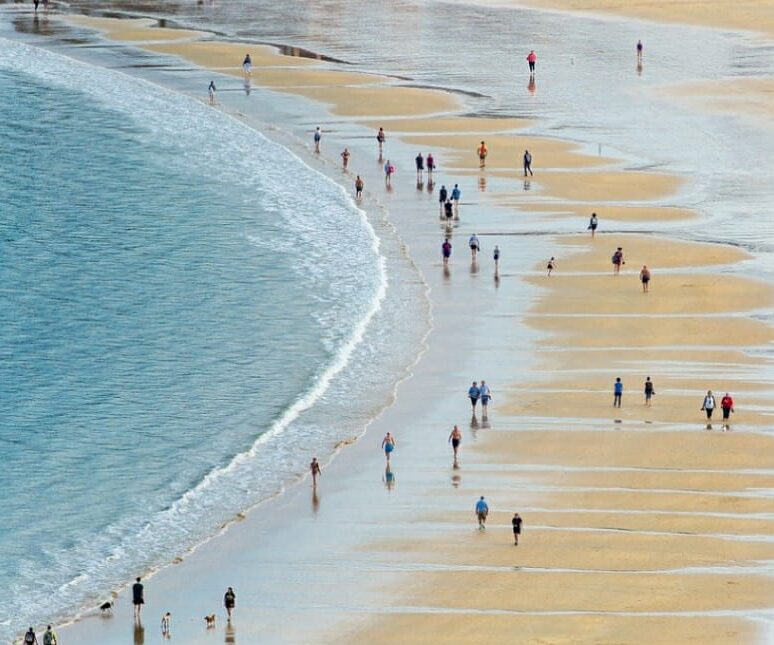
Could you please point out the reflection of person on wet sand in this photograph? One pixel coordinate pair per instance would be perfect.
(139, 634)
(389, 478)
(455, 438)
(532, 86)
(315, 469)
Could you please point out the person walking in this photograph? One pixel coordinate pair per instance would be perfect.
(474, 246)
(456, 193)
(49, 637)
(419, 160)
(211, 89)
(455, 438)
(727, 405)
(531, 60)
(359, 183)
(138, 598)
(496, 256)
(645, 278)
(516, 523)
(617, 392)
(618, 260)
(474, 393)
(443, 195)
(527, 163)
(649, 391)
(639, 51)
(388, 445)
(482, 151)
(345, 158)
(30, 638)
(551, 265)
(593, 224)
(36, 3)
(317, 139)
(315, 469)
(486, 396)
(229, 602)
(389, 171)
(247, 65)
(708, 406)
(430, 162)
(448, 209)
(446, 249)
(380, 138)
(482, 510)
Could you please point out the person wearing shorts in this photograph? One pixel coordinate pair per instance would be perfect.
(708, 405)
(388, 445)
(229, 601)
(359, 183)
(138, 598)
(617, 392)
(482, 510)
(482, 151)
(727, 405)
(531, 60)
(593, 224)
(443, 195)
(486, 396)
(446, 249)
(317, 139)
(474, 393)
(247, 65)
(420, 163)
(649, 392)
(516, 523)
(618, 260)
(645, 278)
(430, 162)
(455, 438)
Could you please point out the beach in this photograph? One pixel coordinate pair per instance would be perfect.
(641, 523)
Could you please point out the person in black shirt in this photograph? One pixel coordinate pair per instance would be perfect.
(516, 522)
(138, 599)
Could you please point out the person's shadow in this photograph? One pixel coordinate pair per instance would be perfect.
(248, 86)
(532, 86)
(639, 68)
(482, 183)
(474, 421)
(527, 184)
(389, 478)
(139, 634)
(315, 500)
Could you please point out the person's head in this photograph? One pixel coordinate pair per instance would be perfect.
(48, 627)
(644, 267)
(475, 383)
(456, 185)
(482, 143)
(446, 239)
(593, 214)
(709, 392)
(647, 378)
(483, 382)
(138, 579)
(620, 248)
(727, 394)
(231, 589)
(618, 379)
(482, 499)
(30, 630)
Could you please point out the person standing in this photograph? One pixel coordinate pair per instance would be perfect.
(532, 59)
(229, 601)
(527, 163)
(30, 638)
(618, 260)
(247, 65)
(389, 170)
(482, 510)
(49, 637)
(727, 405)
(419, 160)
(345, 158)
(496, 256)
(639, 51)
(617, 392)
(486, 396)
(474, 393)
(456, 193)
(443, 195)
(138, 598)
(446, 249)
(380, 138)
(482, 151)
(315, 469)
(359, 183)
(593, 224)
(649, 392)
(474, 246)
(211, 89)
(388, 445)
(317, 139)
(708, 405)
(430, 165)
(645, 278)
(455, 438)
(516, 523)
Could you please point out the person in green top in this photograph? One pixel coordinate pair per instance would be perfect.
(49, 637)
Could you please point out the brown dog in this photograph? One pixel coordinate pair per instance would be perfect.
(210, 621)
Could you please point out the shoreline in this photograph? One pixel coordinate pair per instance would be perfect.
(451, 151)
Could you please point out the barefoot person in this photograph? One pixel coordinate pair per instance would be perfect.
(455, 438)
(474, 393)
(486, 396)
(30, 638)
(317, 139)
(639, 51)
(456, 193)
(315, 469)
(49, 637)
(727, 405)
(649, 391)
(247, 65)
(419, 161)
(527, 163)
(516, 523)
(443, 195)
(496, 256)
(229, 601)
(482, 151)
(211, 92)
(430, 162)
(617, 260)
(388, 445)
(345, 158)
(593, 224)
(531, 60)
(551, 265)
(475, 247)
(166, 625)
(446, 249)
(617, 392)
(389, 171)
(645, 278)
(359, 183)
(482, 510)
(138, 598)
(380, 138)
(708, 406)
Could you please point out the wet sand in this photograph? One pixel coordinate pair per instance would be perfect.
(640, 524)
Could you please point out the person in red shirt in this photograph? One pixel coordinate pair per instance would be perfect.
(531, 58)
(727, 405)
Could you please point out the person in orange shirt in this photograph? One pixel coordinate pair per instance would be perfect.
(482, 153)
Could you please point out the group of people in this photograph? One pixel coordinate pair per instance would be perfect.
(49, 636)
(482, 512)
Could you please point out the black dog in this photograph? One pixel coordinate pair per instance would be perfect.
(106, 607)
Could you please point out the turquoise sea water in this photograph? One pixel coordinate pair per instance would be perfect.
(174, 291)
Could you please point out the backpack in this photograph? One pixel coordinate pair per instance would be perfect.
(29, 638)
(48, 638)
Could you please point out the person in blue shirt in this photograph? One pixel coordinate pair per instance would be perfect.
(455, 196)
(617, 393)
(482, 510)
(473, 394)
(486, 395)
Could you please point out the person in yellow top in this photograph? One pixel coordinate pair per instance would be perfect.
(482, 153)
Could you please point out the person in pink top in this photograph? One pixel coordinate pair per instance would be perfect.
(531, 58)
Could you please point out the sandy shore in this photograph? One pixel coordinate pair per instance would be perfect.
(639, 523)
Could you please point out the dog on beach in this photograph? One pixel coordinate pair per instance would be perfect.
(210, 621)
(106, 608)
